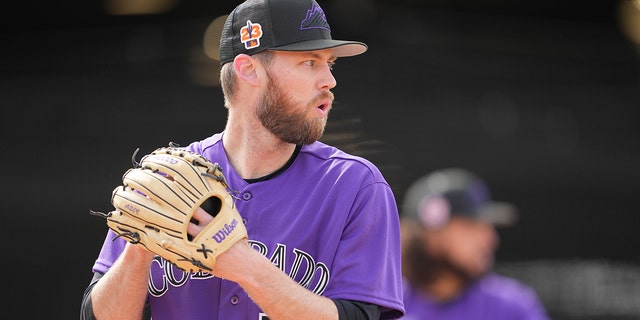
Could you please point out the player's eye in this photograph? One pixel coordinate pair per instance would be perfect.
(313, 63)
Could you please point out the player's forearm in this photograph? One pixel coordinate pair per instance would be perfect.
(280, 297)
(121, 293)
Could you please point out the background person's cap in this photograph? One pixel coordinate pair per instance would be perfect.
(283, 25)
(434, 198)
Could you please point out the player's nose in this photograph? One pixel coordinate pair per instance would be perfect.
(327, 80)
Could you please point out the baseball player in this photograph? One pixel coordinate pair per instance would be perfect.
(323, 226)
(449, 240)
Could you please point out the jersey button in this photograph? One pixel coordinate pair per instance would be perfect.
(247, 196)
(235, 300)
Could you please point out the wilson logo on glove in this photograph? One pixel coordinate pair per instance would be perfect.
(222, 234)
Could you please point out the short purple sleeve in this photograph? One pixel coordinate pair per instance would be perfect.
(110, 251)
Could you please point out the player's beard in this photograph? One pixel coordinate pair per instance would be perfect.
(281, 115)
(424, 268)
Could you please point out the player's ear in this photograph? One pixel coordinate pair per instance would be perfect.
(246, 68)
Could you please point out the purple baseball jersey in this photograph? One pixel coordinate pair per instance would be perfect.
(329, 221)
(493, 297)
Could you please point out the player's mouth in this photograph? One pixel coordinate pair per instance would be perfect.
(324, 107)
(323, 103)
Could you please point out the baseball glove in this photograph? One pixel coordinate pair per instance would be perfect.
(158, 199)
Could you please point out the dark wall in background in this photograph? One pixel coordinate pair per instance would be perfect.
(540, 100)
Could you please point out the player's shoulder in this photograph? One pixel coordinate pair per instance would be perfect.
(336, 158)
(201, 146)
(503, 286)
(328, 152)
(512, 292)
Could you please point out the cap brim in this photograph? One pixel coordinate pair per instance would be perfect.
(341, 48)
(498, 213)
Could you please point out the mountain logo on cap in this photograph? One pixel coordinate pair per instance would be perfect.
(250, 35)
(315, 19)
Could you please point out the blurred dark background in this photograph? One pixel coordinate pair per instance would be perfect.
(540, 98)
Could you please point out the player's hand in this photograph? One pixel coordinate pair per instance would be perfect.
(199, 220)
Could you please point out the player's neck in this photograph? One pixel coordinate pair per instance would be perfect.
(446, 287)
(255, 156)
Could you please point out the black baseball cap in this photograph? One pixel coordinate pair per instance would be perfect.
(433, 199)
(281, 25)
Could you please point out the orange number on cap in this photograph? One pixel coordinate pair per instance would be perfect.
(250, 34)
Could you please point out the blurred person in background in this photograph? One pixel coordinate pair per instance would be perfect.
(449, 238)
